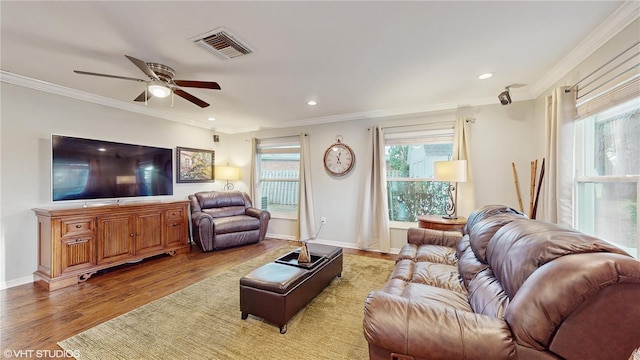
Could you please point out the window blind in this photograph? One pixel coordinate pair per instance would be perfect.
(615, 82)
(619, 94)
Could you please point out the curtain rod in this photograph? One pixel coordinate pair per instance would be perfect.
(452, 123)
(277, 137)
(605, 64)
(280, 137)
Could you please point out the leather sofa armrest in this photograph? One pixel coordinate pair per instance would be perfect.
(203, 218)
(257, 213)
(423, 328)
(420, 236)
(264, 216)
(203, 229)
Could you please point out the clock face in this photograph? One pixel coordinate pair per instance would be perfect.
(338, 159)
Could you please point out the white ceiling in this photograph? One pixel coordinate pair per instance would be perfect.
(356, 59)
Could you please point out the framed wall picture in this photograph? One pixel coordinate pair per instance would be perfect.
(195, 165)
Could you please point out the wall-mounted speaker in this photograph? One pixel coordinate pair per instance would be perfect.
(216, 138)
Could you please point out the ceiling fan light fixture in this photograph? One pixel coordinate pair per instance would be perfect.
(159, 90)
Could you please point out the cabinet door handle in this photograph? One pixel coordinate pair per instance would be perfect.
(175, 224)
(132, 235)
(137, 234)
(78, 226)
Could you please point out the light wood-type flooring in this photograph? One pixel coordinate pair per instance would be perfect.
(34, 319)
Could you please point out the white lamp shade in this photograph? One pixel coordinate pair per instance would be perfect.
(159, 90)
(451, 171)
(227, 173)
(125, 179)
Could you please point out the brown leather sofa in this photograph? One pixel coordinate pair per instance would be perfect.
(510, 288)
(222, 219)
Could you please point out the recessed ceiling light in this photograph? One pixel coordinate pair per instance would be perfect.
(211, 119)
(102, 149)
(312, 102)
(485, 76)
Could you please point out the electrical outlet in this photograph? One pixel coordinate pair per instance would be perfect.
(323, 220)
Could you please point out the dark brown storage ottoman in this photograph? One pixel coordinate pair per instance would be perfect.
(277, 291)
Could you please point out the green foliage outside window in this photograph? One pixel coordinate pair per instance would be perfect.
(409, 193)
(408, 199)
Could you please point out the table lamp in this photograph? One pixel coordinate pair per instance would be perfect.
(452, 171)
(227, 173)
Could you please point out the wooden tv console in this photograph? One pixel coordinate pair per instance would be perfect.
(74, 243)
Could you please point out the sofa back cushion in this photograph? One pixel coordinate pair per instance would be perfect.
(486, 295)
(468, 264)
(580, 303)
(482, 232)
(522, 246)
(486, 212)
(222, 203)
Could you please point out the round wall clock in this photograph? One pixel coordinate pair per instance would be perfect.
(339, 159)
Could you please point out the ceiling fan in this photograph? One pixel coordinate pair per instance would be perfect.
(161, 82)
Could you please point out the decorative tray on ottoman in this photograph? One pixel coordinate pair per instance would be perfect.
(292, 259)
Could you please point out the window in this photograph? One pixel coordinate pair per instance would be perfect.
(411, 188)
(607, 183)
(279, 174)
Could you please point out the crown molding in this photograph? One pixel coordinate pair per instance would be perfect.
(628, 12)
(386, 113)
(15, 79)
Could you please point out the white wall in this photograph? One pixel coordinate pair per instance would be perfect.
(28, 118)
(500, 135)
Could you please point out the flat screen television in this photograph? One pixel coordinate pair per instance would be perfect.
(88, 169)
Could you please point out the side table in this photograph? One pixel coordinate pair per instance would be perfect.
(437, 222)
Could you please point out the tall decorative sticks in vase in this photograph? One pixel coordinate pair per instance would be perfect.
(534, 190)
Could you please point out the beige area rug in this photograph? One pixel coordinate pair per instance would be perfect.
(203, 321)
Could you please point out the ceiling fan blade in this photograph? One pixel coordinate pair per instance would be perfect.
(106, 75)
(193, 99)
(143, 66)
(198, 84)
(144, 96)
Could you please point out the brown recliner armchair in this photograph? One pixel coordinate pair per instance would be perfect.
(223, 219)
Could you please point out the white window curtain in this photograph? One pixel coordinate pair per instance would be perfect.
(306, 218)
(465, 194)
(253, 177)
(374, 224)
(557, 188)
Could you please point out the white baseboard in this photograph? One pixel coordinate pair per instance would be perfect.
(281, 237)
(16, 282)
(350, 245)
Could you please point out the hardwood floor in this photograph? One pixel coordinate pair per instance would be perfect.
(35, 319)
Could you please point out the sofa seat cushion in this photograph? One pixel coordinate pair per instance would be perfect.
(234, 224)
(428, 273)
(421, 293)
(431, 253)
(438, 275)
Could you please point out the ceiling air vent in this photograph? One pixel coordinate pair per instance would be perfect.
(222, 43)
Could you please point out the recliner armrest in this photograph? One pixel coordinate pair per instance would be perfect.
(200, 218)
(257, 213)
(420, 236)
(423, 328)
